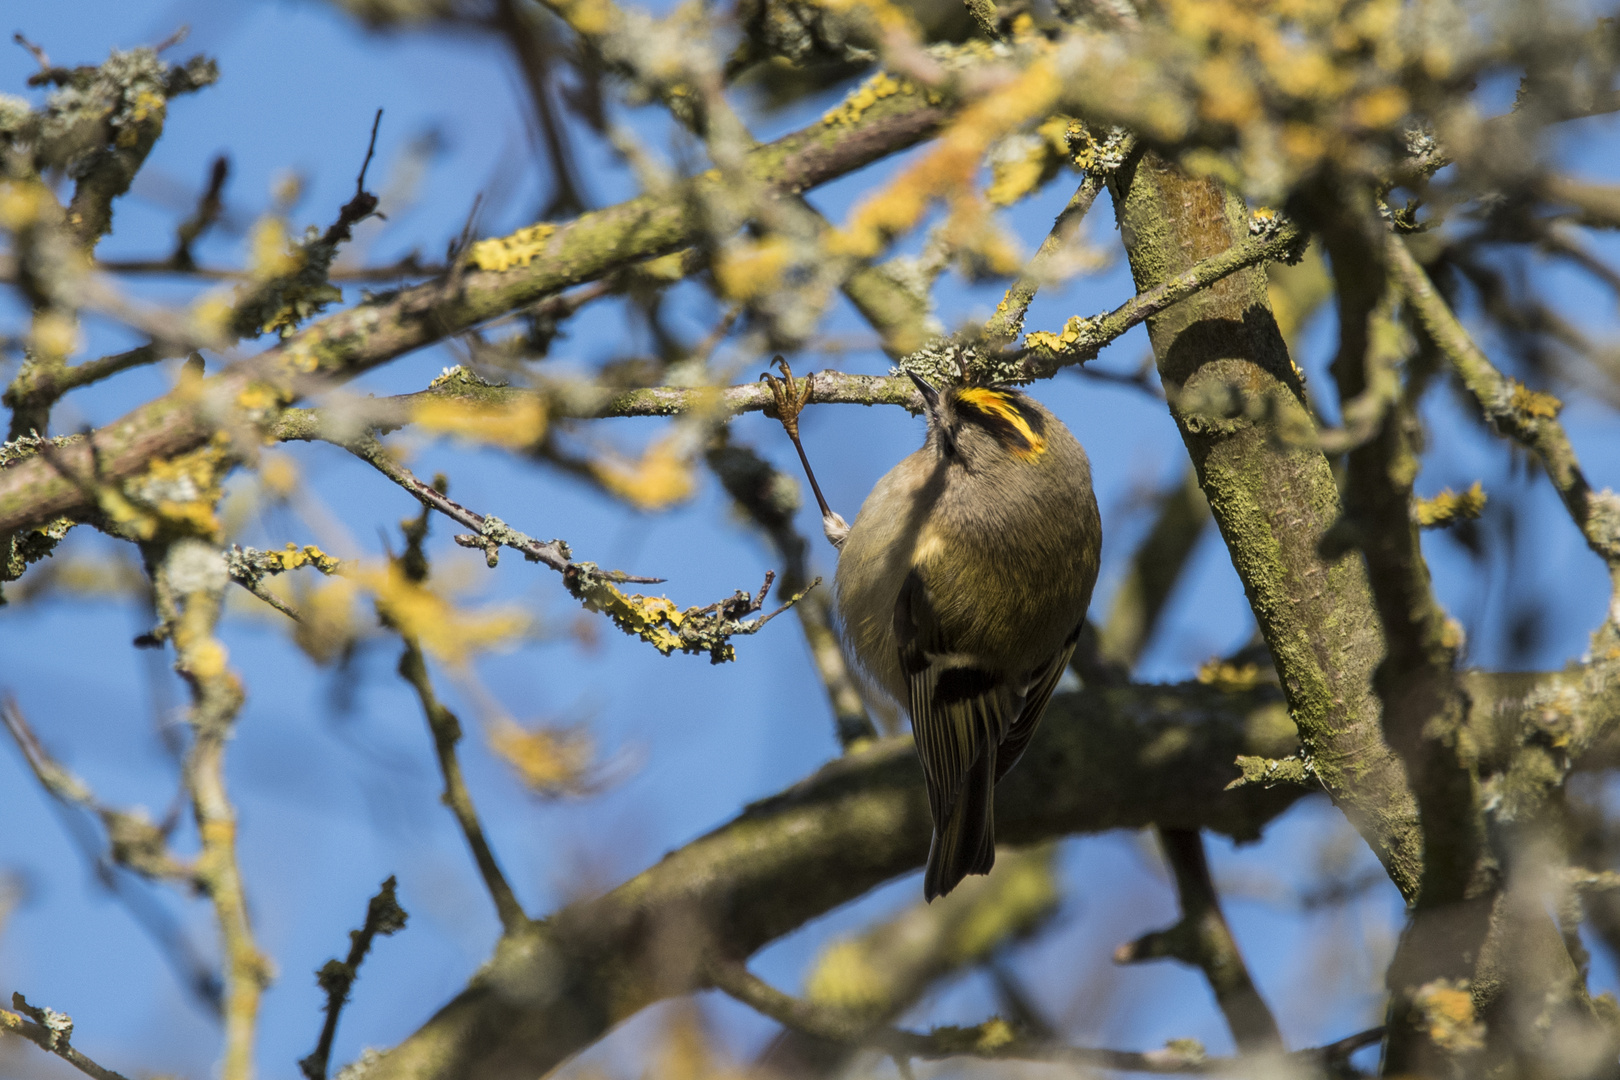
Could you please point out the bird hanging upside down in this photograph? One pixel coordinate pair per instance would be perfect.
(961, 588)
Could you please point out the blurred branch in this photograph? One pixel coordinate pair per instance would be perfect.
(350, 342)
(1156, 565)
(1526, 416)
(874, 977)
(190, 583)
(1599, 204)
(770, 498)
(50, 1031)
(862, 820)
(383, 916)
(133, 840)
(410, 266)
(994, 1039)
(1203, 939)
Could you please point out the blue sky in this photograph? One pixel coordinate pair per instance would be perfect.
(335, 797)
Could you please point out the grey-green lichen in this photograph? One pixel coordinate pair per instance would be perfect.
(29, 445)
(29, 546)
(1269, 772)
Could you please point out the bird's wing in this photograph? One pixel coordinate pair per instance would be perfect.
(1035, 700)
(960, 711)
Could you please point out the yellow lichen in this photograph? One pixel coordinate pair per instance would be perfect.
(517, 424)
(660, 479)
(1229, 677)
(448, 633)
(1447, 1008)
(1534, 402)
(549, 761)
(54, 333)
(519, 249)
(1076, 332)
(750, 269)
(948, 170)
(1449, 507)
(272, 252)
(844, 978)
(22, 202)
(866, 95)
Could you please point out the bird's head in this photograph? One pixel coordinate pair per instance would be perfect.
(979, 426)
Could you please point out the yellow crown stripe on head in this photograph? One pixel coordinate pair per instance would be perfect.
(1000, 405)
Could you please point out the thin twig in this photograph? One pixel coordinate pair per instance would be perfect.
(50, 1030)
(446, 730)
(1202, 938)
(1529, 418)
(1005, 324)
(383, 916)
(492, 532)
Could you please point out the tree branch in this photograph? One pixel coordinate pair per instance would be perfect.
(1105, 759)
(50, 1031)
(1234, 393)
(1202, 938)
(350, 342)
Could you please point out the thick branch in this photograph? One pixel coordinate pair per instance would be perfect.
(1234, 394)
(1104, 759)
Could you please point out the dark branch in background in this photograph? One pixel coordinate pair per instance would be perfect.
(363, 204)
(902, 957)
(446, 729)
(50, 1030)
(383, 916)
(993, 1039)
(1103, 762)
(209, 208)
(1155, 567)
(533, 52)
(128, 841)
(1202, 939)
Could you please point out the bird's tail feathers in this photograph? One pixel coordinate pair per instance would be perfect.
(966, 844)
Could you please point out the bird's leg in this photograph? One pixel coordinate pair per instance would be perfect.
(789, 402)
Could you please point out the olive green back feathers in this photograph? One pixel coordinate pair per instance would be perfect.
(962, 587)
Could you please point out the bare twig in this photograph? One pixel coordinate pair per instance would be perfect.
(50, 1031)
(383, 916)
(446, 730)
(1202, 938)
(1008, 321)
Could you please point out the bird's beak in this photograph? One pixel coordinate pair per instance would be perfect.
(930, 396)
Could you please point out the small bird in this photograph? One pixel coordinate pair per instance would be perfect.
(962, 587)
